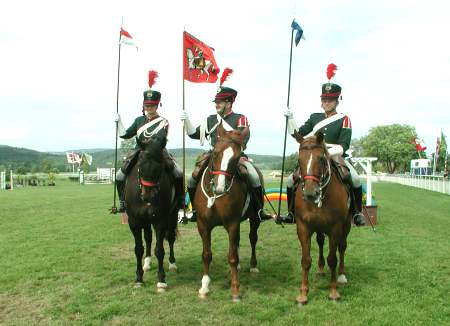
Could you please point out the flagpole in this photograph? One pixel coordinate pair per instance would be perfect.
(114, 208)
(285, 126)
(184, 137)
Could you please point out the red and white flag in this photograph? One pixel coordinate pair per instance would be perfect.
(420, 145)
(126, 38)
(199, 64)
(73, 158)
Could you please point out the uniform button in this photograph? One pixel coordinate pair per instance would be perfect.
(325, 128)
(324, 134)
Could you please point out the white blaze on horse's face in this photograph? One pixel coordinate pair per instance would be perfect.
(226, 157)
(308, 166)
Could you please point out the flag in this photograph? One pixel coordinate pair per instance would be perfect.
(199, 64)
(296, 27)
(126, 38)
(420, 145)
(87, 158)
(73, 158)
(438, 147)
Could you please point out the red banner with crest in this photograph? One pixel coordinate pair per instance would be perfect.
(199, 64)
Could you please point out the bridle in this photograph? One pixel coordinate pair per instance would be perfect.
(214, 172)
(322, 180)
(141, 182)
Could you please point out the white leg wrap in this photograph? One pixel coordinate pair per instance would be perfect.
(254, 270)
(342, 279)
(161, 287)
(173, 267)
(206, 280)
(147, 264)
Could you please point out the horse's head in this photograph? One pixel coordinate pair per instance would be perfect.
(314, 164)
(225, 159)
(150, 167)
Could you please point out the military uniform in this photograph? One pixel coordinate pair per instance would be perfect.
(208, 131)
(144, 128)
(337, 132)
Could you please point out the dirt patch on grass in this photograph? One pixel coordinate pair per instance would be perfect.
(19, 309)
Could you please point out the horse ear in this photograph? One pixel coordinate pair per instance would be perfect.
(298, 137)
(319, 137)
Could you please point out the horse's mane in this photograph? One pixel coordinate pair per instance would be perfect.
(153, 147)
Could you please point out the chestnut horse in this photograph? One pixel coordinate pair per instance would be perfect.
(222, 198)
(322, 205)
(149, 197)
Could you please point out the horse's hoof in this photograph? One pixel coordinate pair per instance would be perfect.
(301, 302)
(235, 298)
(202, 295)
(147, 264)
(334, 297)
(138, 284)
(342, 279)
(161, 287)
(254, 270)
(173, 267)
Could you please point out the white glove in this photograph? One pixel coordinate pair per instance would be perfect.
(288, 113)
(117, 118)
(184, 116)
(335, 149)
(188, 126)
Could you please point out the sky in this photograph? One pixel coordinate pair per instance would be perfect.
(59, 66)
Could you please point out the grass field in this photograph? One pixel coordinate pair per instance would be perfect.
(65, 260)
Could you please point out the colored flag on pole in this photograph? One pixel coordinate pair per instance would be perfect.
(126, 38)
(420, 145)
(199, 64)
(87, 158)
(299, 32)
(73, 158)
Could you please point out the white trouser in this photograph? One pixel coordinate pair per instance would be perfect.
(356, 182)
(253, 176)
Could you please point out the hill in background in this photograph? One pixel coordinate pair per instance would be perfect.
(35, 161)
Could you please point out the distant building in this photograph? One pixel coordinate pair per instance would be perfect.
(421, 167)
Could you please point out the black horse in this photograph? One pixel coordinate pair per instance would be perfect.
(149, 198)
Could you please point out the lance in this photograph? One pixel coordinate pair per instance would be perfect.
(285, 126)
(114, 207)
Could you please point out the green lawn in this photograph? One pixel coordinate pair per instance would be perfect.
(65, 260)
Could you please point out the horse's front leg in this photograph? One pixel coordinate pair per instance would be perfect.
(253, 236)
(342, 278)
(320, 237)
(335, 238)
(138, 252)
(233, 259)
(159, 253)
(304, 235)
(148, 248)
(171, 239)
(205, 233)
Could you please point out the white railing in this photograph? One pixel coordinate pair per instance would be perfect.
(428, 182)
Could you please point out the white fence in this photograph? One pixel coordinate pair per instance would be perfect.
(433, 183)
(2, 180)
(103, 176)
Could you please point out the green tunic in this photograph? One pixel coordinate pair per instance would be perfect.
(338, 132)
(139, 122)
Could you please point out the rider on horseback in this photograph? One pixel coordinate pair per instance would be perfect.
(337, 131)
(150, 124)
(224, 100)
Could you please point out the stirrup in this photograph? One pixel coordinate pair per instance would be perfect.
(359, 219)
(121, 208)
(264, 216)
(288, 218)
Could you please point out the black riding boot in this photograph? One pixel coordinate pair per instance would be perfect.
(289, 217)
(259, 205)
(121, 191)
(191, 192)
(358, 217)
(179, 193)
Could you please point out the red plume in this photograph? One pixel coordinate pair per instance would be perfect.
(226, 72)
(331, 70)
(152, 75)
